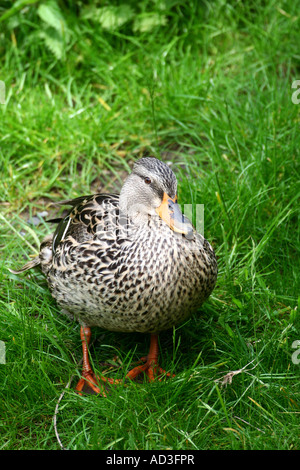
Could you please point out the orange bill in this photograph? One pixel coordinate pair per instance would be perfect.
(171, 214)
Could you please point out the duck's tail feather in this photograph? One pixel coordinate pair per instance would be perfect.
(31, 264)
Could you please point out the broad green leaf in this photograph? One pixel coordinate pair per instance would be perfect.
(54, 42)
(112, 18)
(147, 21)
(51, 14)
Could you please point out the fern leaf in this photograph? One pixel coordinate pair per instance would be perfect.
(51, 14)
(54, 42)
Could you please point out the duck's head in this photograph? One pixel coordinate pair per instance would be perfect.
(151, 189)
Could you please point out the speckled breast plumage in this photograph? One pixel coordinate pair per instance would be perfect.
(109, 272)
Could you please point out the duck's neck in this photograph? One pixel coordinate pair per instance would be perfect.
(131, 204)
(134, 212)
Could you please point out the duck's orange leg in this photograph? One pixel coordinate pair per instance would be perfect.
(151, 366)
(88, 377)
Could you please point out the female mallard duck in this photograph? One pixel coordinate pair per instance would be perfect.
(129, 263)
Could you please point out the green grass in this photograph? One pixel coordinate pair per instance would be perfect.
(210, 90)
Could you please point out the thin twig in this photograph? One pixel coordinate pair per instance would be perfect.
(61, 397)
(246, 422)
(56, 412)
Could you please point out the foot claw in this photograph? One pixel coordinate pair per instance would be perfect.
(88, 379)
(151, 369)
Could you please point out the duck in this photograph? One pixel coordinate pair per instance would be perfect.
(128, 262)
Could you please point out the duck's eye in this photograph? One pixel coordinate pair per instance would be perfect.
(147, 180)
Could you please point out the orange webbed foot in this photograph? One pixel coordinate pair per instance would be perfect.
(151, 367)
(99, 385)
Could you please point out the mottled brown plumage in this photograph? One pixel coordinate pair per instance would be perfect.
(125, 264)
